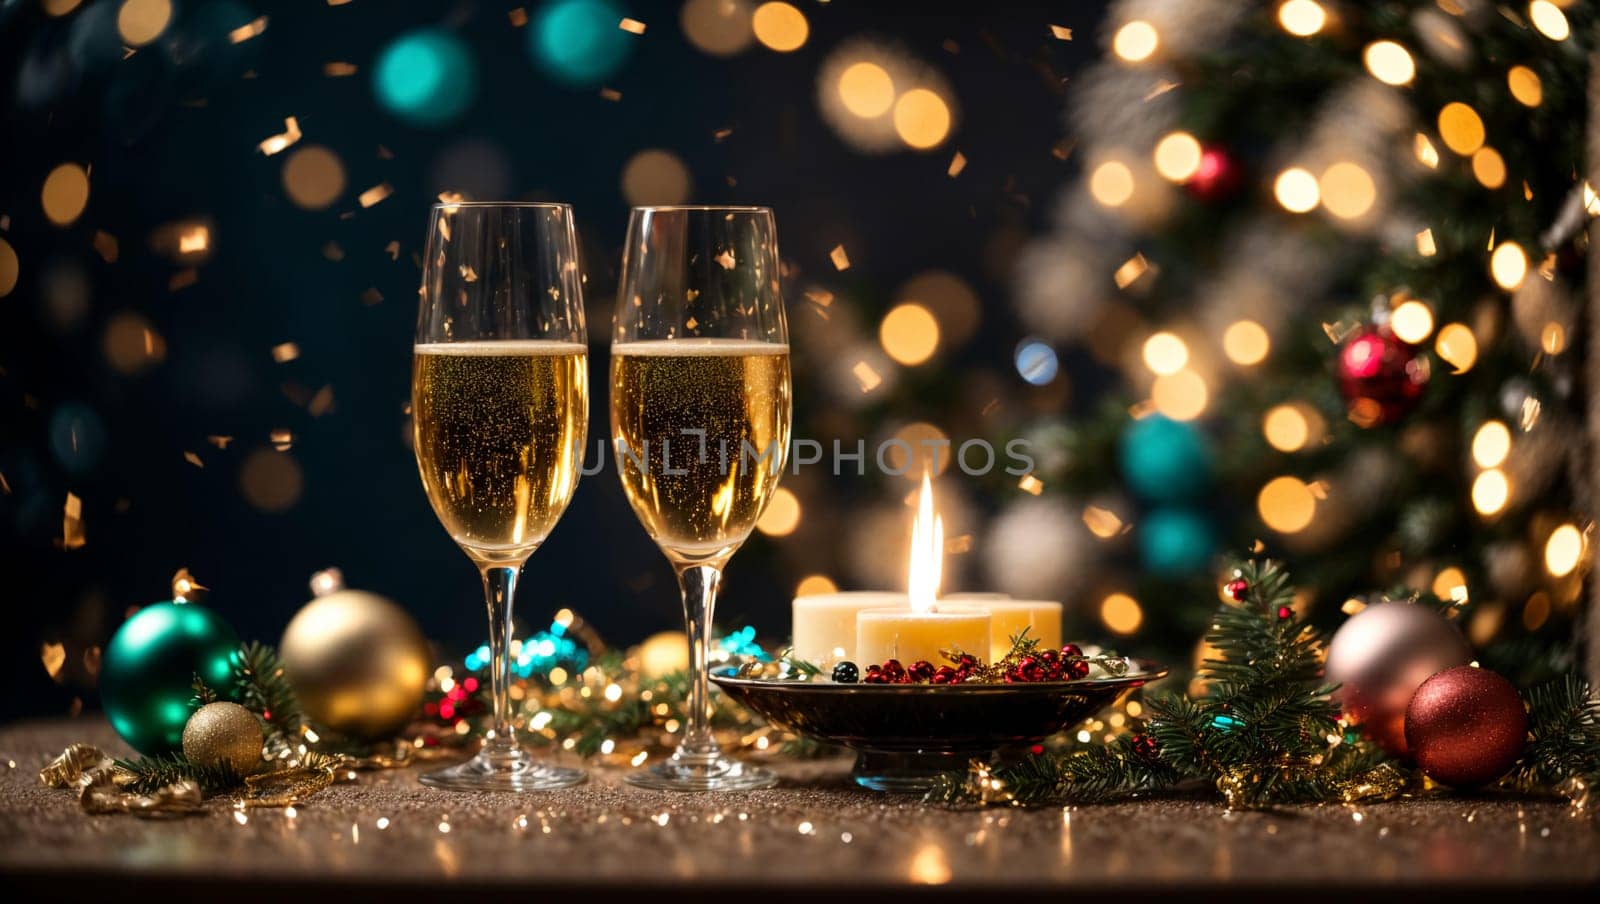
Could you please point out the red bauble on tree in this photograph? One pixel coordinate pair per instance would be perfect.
(1381, 377)
(1466, 726)
(1216, 177)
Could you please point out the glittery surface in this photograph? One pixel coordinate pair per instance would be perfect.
(813, 830)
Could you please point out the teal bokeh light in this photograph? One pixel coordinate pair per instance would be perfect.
(579, 41)
(425, 77)
(1176, 541)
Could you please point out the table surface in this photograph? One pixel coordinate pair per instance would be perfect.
(813, 832)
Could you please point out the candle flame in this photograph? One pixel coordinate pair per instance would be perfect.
(927, 552)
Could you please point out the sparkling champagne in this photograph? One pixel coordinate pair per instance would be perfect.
(701, 428)
(499, 430)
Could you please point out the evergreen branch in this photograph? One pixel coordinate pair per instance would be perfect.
(150, 774)
(1564, 731)
(258, 679)
(203, 694)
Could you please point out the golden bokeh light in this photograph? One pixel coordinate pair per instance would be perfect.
(10, 268)
(1121, 613)
(1412, 322)
(1553, 338)
(1460, 128)
(60, 7)
(1491, 444)
(1458, 346)
(1292, 426)
(1111, 183)
(1490, 492)
(1302, 18)
(65, 193)
(1181, 396)
(1286, 504)
(921, 118)
(1536, 610)
(1488, 167)
(953, 303)
(1563, 550)
(1245, 342)
(1389, 63)
(1296, 189)
(1508, 265)
(1165, 353)
(271, 481)
(1549, 19)
(866, 90)
(131, 344)
(313, 177)
(1348, 191)
(782, 514)
(919, 448)
(1135, 41)
(141, 21)
(909, 334)
(1450, 584)
(656, 176)
(1525, 86)
(815, 585)
(780, 26)
(1177, 156)
(717, 27)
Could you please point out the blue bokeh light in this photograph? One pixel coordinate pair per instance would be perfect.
(578, 41)
(1165, 460)
(425, 77)
(1177, 541)
(1036, 362)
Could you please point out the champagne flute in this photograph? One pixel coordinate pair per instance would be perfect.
(700, 420)
(500, 409)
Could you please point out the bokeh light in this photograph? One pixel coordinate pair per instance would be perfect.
(1389, 63)
(578, 41)
(1245, 342)
(1177, 156)
(131, 344)
(1563, 550)
(1121, 613)
(1181, 396)
(1412, 321)
(1296, 190)
(1460, 128)
(953, 303)
(1450, 584)
(1490, 492)
(426, 77)
(60, 7)
(65, 194)
(313, 177)
(780, 26)
(77, 438)
(1111, 183)
(141, 21)
(271, 481)
(717, 27)
(1549, 19)
(10, 268)
(919, 448)
(921, 118)
(1347, 190)
(1489, 168)
(866, 89)
(1286, 504)
(1135, 41)
(654, 177)
(1292, 426)
(1302, 18)
(1164, 353)
(1491, 444)
(782, 514)
(1508, 265)
(909, 334)
(1036, 362)
(1458, 346)
(815, 585)
(1525, 86)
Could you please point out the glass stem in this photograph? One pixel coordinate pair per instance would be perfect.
(499, 589)
(699, 584)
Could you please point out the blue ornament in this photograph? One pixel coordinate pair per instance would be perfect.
(578, 41)
(148, 670)
(1176, 541)
(1164, 460)
(425, 77)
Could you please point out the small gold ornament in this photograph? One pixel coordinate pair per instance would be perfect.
(224, 734)
(357, 662)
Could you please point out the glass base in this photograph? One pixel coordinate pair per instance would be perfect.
(718, 774)
(514, 771)
(909, 773)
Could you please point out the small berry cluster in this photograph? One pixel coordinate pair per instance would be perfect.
(1048, 665)
(920, 672)
(1041, 665)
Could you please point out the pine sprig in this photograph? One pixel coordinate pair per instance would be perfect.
(258, 679)
(1564, 731)
(152, 773)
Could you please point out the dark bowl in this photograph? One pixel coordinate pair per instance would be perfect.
(907, 734)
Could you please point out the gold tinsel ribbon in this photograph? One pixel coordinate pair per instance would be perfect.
(284, 787)
(1250, 787)
(101, 786)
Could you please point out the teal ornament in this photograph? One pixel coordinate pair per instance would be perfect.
(1164, 460)
(578, 41)
(425, 77)
(1176, 542)
(147, 672)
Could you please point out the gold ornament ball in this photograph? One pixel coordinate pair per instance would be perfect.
(357, 662)
(663, 654)
(223, 734)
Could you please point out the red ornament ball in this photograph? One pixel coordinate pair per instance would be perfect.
(1380, 377)
(1237, 589)
(1466, 726)
(1216, 177)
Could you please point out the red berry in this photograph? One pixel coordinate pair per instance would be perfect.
(1284, 612)
(1146, 747)
(945, 675)
(967, 661)
(1071, 650)
(921, 670)
(1077, 668)
(1237, 588)
(893, 670)
(1049, 656)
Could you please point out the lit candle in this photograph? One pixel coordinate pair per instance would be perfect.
(923, 630)
(825, 624)
(1008, 618)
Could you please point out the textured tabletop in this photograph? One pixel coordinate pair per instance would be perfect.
(814, 831)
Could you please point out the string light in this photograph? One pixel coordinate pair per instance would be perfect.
(815, 585)
(1111, 183)
(1296, 189)
(1285, 428)
(1489, 168)
(1549, 20)
(909, 334)
(141, 21)
(782, 514)
(1458, 346)
(1461, 128)
(1491, 444)
(1563, 550)
(1135, 41)
(1490, 492)
(1508, 265)
(1181, 396)
(1302, 18)
(1286, 504)
(1245, 342)
(1525, 86)
(1412, 322)
(780, 27)
(866, 90)
(65, 193)
(921, 118)
(1177, 156)
(1389, 63)
(1165, 353)
(1121, 613)
(1450, 584)
(1347, 190)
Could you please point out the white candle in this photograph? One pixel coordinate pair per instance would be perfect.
(909, 635)
(825, 624)
(1008, 618)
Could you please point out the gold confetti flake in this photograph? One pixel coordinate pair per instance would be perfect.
(337, 2)
(1031, 485)
(393, 250)
(194, 239)
(1102, 522)
(518, 17)
(54, 656)
(183, 279)
(1159, 88)
(105, 244)
(221, 442)
(610, 94)
(4, 486)
(866, 376)
(1061, 32)
(371, 296)
(384, 153)
(246, 32)
(725, 259)
(633, 26)
(957, 164)
(950, 46)
(72, 533)
(1425, 245)
(468, 274)
(322, 402)
(193, 459)
(721, 134)
(375, 194)
(1062, 149)
(282, 439)
(338, 69)
(284, 352)
(820, 297)
(841, 260)
(333, 252)
(275, 143)
(1130, 271)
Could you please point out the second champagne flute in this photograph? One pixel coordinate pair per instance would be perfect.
(700, 420)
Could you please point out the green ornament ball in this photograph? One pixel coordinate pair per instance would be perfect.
(147, 672)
